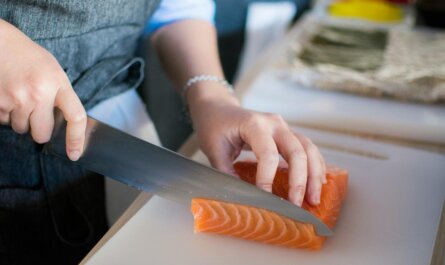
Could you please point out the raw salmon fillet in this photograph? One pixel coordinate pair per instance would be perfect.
(265, 226)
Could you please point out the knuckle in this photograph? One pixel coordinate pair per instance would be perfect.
(308, 140)
(75, 141)
(311, 147)
(298, 154)
(79, 117)
(270, 158)
(254, 121)
(275, 117)
(300, 187)
(38, 84)
(37, 92)
(252, 126)
(19, 98)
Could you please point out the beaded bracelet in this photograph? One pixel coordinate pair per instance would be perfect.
(197, 79)
(200, 78)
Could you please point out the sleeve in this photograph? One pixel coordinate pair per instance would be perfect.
(170, 11)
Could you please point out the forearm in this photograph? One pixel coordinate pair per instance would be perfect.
(189, 48)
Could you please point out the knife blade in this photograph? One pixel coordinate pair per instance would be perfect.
(155, 169)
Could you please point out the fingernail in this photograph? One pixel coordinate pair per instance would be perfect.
(74, 155)
(299, 201)
(266, 187)
(299, 198)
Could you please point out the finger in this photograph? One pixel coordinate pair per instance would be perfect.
(6, 106)
(266, 152)
(75, 115)
(324, 179)
(4, 117)
(316, 163)
(221, 157)
(246, 147)
(316, 169)
(20, 120)
(42, 123)
(293, 152)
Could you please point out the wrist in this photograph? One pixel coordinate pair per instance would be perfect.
(204, 91)
(208, 92)
(205, 98)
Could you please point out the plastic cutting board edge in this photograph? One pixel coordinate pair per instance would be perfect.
(390, 217)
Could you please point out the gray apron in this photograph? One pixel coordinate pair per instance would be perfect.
(51, 211)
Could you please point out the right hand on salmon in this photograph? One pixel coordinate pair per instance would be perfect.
(32, 83)
(224, 128)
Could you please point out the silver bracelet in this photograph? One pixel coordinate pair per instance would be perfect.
(197, 79)
(200, 78)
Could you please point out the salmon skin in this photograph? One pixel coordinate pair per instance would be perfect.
(268, 227)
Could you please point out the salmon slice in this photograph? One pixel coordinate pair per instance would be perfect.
(268, 227)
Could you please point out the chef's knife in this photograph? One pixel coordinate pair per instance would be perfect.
(151, 168)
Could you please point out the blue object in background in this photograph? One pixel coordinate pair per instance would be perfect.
(170, 11)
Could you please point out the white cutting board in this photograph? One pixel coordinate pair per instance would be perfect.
(390, 217)
(341, 111)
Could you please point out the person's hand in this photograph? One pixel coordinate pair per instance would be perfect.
(32, 83)
(223, 128)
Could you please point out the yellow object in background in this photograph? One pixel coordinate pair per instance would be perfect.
(374, 10)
